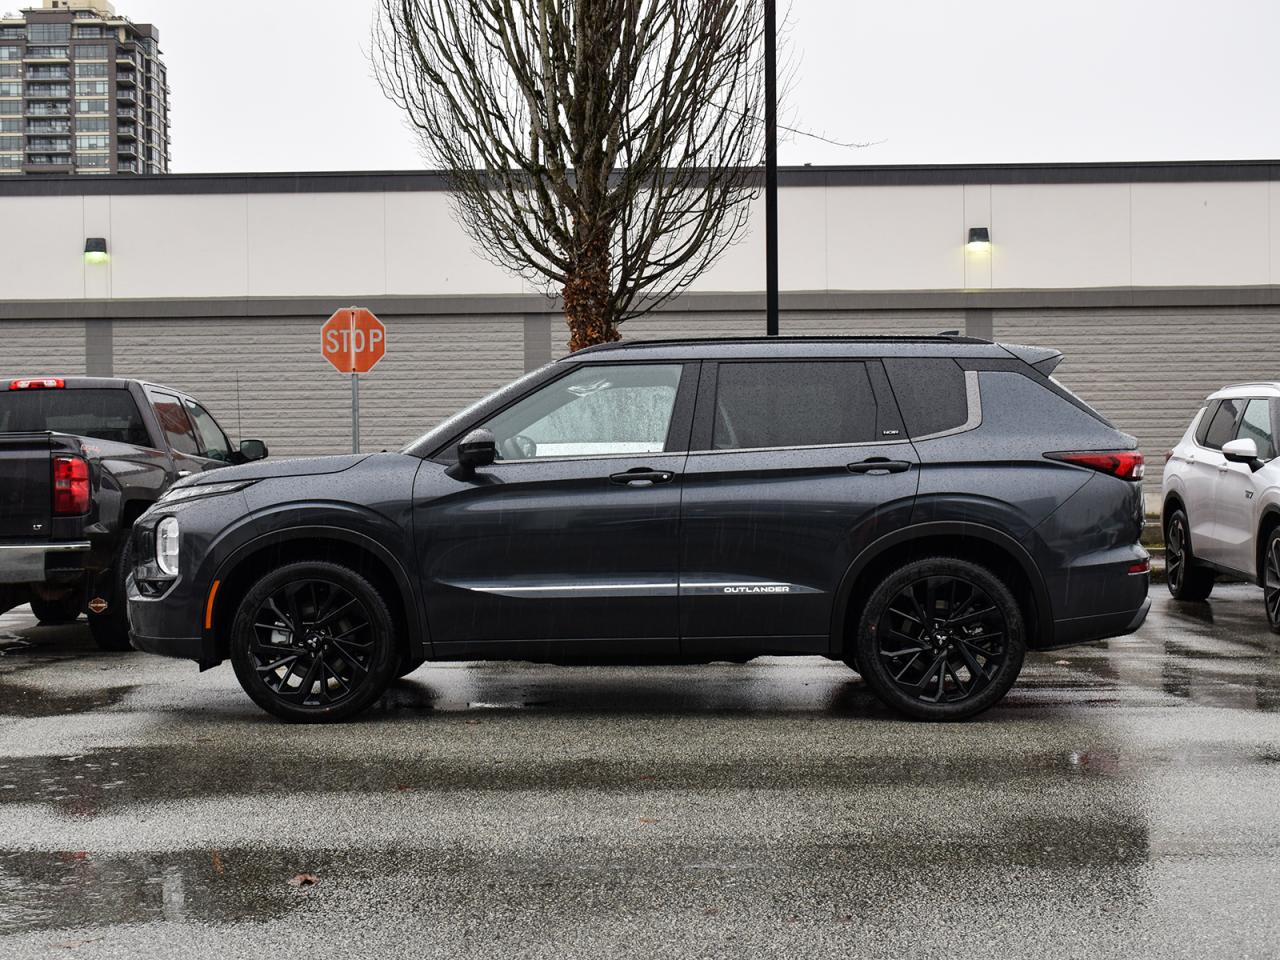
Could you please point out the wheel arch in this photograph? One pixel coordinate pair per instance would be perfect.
(966, 541)
(1172, 501)
(335, 544)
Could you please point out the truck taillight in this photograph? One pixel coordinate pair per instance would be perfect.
(1125, 464)
(70, 486)
(38, 383)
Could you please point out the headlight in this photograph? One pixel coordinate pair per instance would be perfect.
(167, 545)
(177, 494)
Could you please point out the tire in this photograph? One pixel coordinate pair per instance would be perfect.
(1184, 578)
(408, 665)
(314, 642)
(60, 611)
(110, 629)
(1271, 579)
(940, 639)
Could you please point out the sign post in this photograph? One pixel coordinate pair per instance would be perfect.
(353, 340)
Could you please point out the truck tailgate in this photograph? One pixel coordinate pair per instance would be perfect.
(26, 486)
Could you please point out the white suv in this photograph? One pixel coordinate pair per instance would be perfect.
(1222, 496)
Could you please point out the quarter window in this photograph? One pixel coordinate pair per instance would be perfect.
(1224, 424)
(1255, 425)
(596, 410)
(793, 404)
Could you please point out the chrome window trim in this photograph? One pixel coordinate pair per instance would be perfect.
(591, 456)
(811, 446)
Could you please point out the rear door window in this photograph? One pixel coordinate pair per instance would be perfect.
(175, 423)
(1223, 426)
(109, 415)
(801, 403)
(1255, 425)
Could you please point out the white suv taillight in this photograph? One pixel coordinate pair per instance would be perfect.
(167, 546)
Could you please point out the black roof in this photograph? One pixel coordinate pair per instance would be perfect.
(771, 347)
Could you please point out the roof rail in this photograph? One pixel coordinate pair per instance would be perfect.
(632, 344)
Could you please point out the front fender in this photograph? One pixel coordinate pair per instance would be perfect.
(349, 523)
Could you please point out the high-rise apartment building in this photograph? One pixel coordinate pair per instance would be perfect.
(82, 90)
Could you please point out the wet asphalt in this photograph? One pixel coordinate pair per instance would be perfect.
(1124, 801)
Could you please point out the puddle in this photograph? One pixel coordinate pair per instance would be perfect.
(42, 891)
(24, 701)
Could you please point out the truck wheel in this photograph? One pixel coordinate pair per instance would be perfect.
(314, 642)
(63, 610)
(940, 639)
(110, 629)
(1186, 580)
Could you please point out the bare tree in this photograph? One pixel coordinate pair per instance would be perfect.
(605, 147)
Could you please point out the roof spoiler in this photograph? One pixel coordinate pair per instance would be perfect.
(1041, 359)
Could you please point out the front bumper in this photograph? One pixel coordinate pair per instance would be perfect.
(41, 562)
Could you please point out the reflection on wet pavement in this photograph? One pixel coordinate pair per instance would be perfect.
(1121, 802)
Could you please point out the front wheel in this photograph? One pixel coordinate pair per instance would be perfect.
(941, 639)
(314, 642)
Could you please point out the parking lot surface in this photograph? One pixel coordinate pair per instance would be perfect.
(1123, 801)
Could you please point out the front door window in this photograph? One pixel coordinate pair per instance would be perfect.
(597, 410)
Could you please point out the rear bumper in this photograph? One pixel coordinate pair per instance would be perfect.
(39, 562)
(1067, 633)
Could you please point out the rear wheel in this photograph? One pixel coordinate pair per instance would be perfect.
(941, 639)
(63, 610)
(1186, 580)
(1271, 579)
(314, 642)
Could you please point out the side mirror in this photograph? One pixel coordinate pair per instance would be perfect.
(251, 450)
(476, 449)
(1243, 451)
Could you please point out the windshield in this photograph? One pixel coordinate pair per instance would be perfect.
(100, 414)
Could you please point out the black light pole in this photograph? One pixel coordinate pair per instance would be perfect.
(771, 166)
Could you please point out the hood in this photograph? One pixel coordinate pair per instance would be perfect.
(272, 469)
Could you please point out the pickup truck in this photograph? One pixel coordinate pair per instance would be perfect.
(81, 458)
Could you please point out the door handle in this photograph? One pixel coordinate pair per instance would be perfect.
(879, 465)
(183, 474)
(642, 477)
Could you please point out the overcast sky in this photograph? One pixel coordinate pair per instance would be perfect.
(930, 81)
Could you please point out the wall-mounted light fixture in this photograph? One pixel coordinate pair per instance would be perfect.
(95, 250)
(979, 240)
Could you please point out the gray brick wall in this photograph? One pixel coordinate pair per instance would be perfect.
(293, 399)
(1148, 369)
(34, 347)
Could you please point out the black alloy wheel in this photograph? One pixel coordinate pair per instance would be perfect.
(1185, 580)
(1271, 580)
(314, 642)
(941, 639)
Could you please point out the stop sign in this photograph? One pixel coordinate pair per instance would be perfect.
(353, 340)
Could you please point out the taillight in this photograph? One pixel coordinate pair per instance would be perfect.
(70, 486)
(1125, 464)
(38, 383)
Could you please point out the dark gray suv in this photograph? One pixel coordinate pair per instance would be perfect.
(922, 509)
